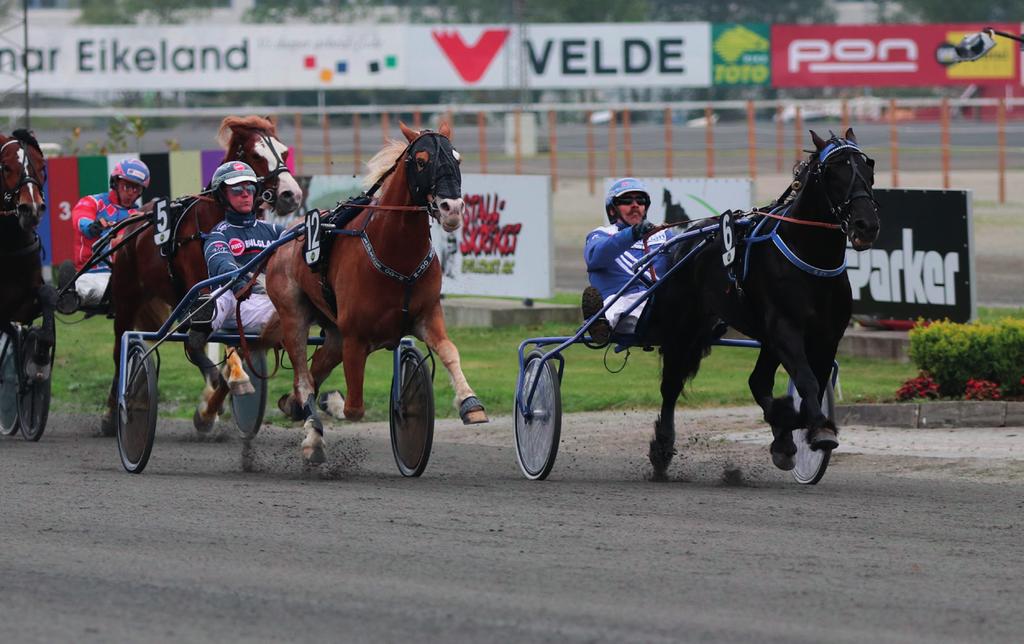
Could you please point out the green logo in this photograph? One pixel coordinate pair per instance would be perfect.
(741, 54)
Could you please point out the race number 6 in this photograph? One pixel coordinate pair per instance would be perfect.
(163, 225)
(312, 236)
(728, 240)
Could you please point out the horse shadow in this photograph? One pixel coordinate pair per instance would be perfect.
(674, 212)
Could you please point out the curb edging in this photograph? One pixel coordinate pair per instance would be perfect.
(928, 415)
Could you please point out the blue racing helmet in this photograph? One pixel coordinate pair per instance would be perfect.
(619, 188)
(132, 170)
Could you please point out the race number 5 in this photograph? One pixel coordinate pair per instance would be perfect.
(728, 240)
(163, 224)
(312, 236)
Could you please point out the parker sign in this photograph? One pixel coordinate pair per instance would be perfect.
(922, 264)
(505, 244)
(884, 55)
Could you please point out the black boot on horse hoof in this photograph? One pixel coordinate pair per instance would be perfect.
(660, 456)
(592, 302)
(472, 412)
(290, 408)
(825, 438)
(331, 402)
(108, 428)
(203, 426)
(783, 451)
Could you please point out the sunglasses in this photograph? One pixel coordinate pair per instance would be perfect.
(130, 186)
(626, 200)
(238, 191)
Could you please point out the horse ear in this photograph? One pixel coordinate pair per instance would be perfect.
(445, 130)
(850, 136)
(819, 143)
(408, 132)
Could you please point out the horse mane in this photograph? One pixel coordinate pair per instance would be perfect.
(27, 138)
(383, 161)
(253, 122)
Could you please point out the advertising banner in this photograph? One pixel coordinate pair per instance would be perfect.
(269, 57)
(505, 245)
(922, 265)
(885, 55)
(741, 54)
(62, 188)
(682, 200)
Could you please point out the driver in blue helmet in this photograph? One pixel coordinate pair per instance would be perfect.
(612, 251)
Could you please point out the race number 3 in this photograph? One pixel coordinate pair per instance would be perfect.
(728, 240)
(312, 236)
(163, 224)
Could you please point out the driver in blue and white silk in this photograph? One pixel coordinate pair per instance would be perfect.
(236, 240)
(612, 251)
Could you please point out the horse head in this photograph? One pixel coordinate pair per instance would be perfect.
(253, 139)
(432, 174)
(22, 175)
(846, 176)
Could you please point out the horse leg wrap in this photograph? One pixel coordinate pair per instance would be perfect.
(471, 411)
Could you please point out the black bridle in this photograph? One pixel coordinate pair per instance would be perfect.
(9, 197)
(843, 211)
(269, 195)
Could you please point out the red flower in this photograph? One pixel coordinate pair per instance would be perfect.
(982, 390)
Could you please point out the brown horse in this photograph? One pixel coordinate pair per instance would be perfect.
(384, 283)
(147, 281)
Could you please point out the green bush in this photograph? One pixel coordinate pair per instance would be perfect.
(955, 353)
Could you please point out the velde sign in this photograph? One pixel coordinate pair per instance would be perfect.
(922, 264)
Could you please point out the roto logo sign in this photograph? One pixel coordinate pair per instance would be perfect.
(852, 55)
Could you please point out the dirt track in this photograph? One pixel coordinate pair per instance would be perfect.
(886, 548)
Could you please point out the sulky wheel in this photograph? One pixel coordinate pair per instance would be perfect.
(537, 431)
(811, 463)
(136, 416)
(8, 385)
(248, 409)
(35, 353)
(412, 415)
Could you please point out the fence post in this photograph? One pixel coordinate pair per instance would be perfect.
(844, 119)
(1001, 136)
(481, 128)
(945, 143)
(668, 142)
(894, 144)
(779, 136)
(591, 155)
(709, 139)
(553, 146)
(611, 145)
(627, 140)
(417, 121)
(298, 144)
(356, 135)
(798, 128)
(385, 125)
(752, 139)
(326, 125)
(517, 133)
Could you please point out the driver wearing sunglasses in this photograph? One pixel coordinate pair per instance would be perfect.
(230, 245)
(611, 252)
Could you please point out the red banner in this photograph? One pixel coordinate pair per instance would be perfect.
(885, 55)
(62, 175)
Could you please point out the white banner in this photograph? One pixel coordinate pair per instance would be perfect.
(505, 245)
(268, 57)
(680, 200)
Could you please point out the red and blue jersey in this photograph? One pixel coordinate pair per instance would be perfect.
(89, 209)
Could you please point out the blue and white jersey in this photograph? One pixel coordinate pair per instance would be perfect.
(229, 246)
(610, 254)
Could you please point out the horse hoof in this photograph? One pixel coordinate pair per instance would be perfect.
(660, 457)
(203, 425)
(289, 407)
(314, 455)
(472, 412)
(107, 426)
(241, 388)
(333, 403)
(825, 438)
(784, 462)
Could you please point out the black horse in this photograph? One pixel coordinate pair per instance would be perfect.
(23, 294)
(786, 287)
(674, 212)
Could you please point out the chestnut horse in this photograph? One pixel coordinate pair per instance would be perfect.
(23, 294)
(147, 281)
(384, 282)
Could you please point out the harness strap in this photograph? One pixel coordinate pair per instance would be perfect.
(802, 222)
(392, 273)
(801, 264)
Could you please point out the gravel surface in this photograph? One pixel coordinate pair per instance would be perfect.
(887, 547)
